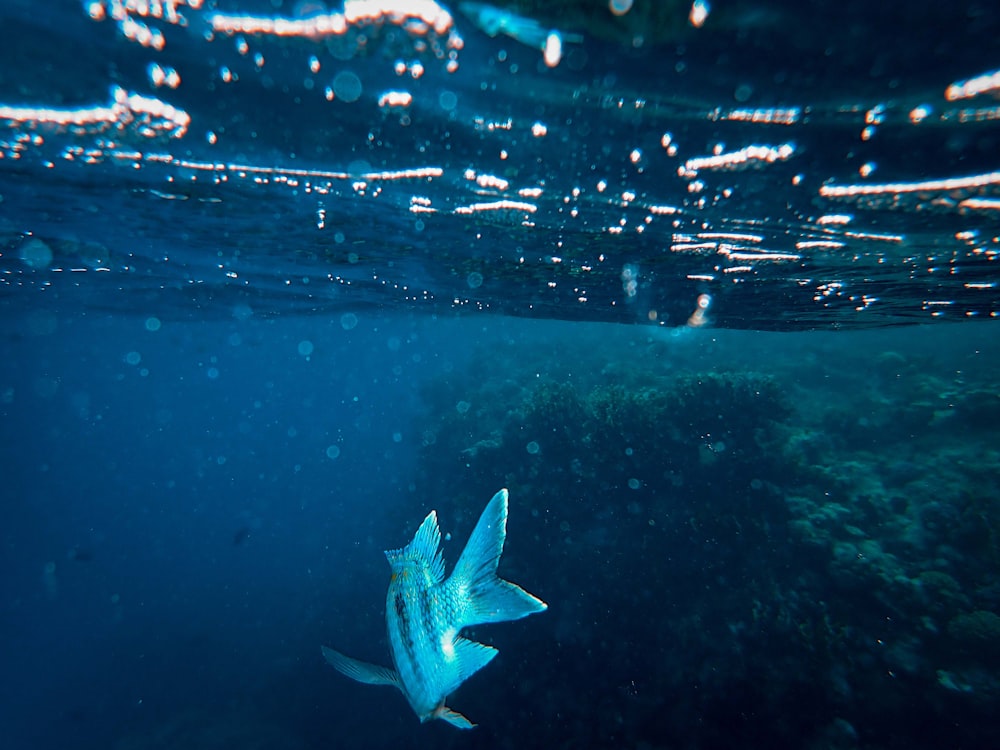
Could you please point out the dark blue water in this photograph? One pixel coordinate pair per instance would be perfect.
(749, 425)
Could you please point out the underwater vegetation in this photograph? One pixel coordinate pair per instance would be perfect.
(744, 548)
(618, 437)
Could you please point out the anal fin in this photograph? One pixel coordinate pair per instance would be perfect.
(362, 671)
(472, 656)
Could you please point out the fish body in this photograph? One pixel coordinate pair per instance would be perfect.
(425, 612)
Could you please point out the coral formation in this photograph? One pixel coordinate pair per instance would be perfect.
(858, 533)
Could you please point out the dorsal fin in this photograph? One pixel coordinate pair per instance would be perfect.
(423, 550)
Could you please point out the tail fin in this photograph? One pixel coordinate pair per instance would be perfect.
(489, 598)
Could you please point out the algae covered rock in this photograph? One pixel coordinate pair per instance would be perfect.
(978, 630)
(717, 429)
(940, 592)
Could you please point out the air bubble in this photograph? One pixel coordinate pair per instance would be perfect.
(347, 86)
(36, 253)
(447, 100)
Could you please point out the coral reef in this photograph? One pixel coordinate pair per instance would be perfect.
(745, 526)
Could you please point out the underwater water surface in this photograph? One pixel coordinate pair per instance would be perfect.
(709, 287)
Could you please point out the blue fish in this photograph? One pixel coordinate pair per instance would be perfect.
(526, 30)
(424, 613)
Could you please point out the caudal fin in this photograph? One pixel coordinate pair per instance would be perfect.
(488, 597)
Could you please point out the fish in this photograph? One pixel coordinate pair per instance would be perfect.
(426, 612)
(241, 535)
(493, 21)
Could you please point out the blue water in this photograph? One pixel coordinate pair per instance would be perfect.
(751, 452)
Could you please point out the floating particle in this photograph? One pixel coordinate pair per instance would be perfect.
(347, 86)
(46, 387)
(160, 75)
(49, 579)
(552, 52)
(920, 113)
(699, 13)
(630, 279)
(242, 312)
(395, 99)
(332, 451)
(620, 7)
(36, 253)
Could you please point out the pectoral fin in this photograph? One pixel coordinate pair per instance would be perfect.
(370, 674)
(452, 717)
